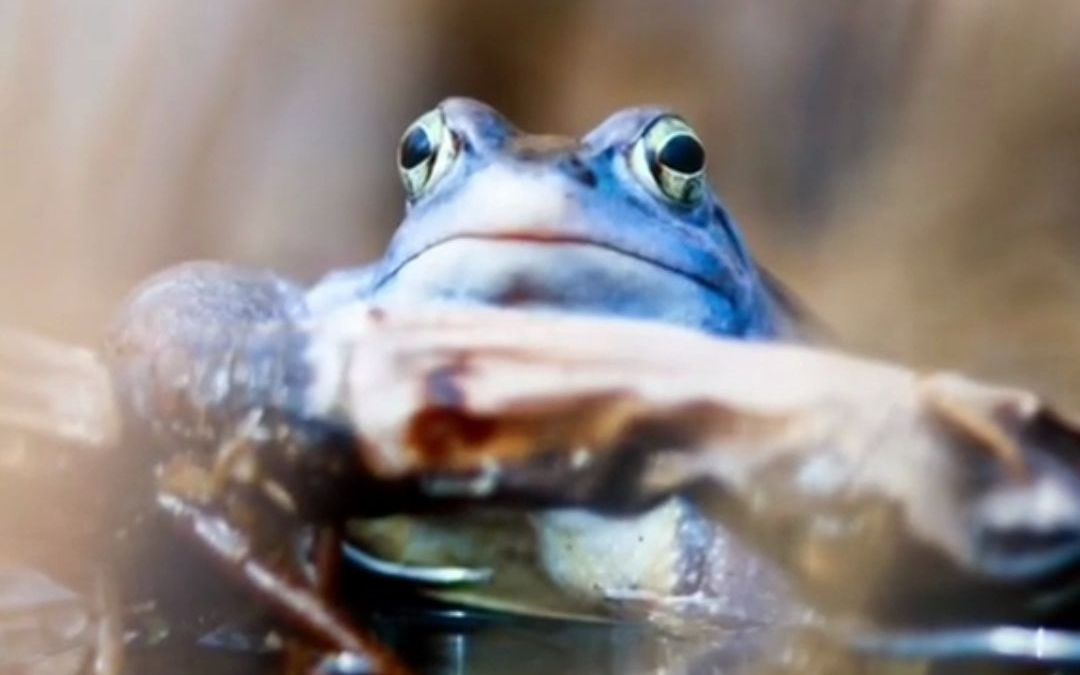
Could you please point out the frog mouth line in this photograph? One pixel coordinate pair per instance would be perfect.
(532, 238)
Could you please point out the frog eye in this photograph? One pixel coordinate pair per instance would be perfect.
(669, 159)
(427, 150)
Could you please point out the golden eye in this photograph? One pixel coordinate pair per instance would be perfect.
(427, 150)
(669, 159)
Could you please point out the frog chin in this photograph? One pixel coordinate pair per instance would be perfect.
(555, 275)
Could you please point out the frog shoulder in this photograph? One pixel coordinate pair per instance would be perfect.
(791, 318)
(339, 288)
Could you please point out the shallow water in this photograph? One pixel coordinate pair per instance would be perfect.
(183, 617)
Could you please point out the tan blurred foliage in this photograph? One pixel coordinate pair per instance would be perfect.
(911, 167)
(143, 133)
(959, 237)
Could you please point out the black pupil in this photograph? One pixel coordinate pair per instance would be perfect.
(683, 153)
(415, 148)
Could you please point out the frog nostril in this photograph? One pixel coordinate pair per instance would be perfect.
(577, 170)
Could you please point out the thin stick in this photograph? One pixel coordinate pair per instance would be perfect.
(327, 556)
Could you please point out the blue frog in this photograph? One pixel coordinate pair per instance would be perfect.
(621, 222)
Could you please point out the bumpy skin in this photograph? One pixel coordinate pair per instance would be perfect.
(205, 313)
(545, 223)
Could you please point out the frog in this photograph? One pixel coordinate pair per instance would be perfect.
(621, 223)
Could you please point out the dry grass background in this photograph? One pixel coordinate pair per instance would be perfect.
(912, 167)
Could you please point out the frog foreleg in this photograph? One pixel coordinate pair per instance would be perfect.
(208, 358)
(235, 549)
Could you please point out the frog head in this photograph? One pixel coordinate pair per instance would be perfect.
(620, 222)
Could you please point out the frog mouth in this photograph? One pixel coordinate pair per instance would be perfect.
(722, 287)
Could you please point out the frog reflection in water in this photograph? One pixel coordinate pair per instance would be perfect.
(622, 223)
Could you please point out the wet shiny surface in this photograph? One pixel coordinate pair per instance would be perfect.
(456, 644)
(218, 632)
(198, 623)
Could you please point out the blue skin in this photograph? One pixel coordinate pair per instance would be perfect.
(587, 235)
(541, 223)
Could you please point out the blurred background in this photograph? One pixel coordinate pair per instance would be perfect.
(910, 167)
